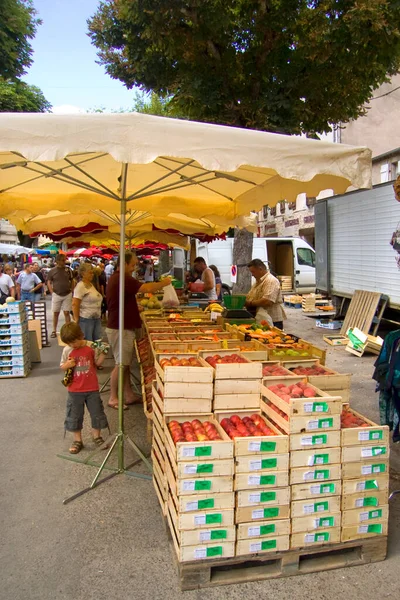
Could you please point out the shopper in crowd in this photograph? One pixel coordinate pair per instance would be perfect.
(60, 284)
(28, 284)
(148, 271)
(86, 304)
(131, 322)
(103, 288)
(36, 270)
(109, 270)
(83, 388)
(265, 297)
(207, 277)
(218, 281)
(7, 287)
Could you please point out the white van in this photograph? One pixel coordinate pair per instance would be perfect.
(291, 257)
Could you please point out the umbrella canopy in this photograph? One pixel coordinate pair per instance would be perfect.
(160, 166)
(13, 249)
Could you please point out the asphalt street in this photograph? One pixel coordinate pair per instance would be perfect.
(111, 543)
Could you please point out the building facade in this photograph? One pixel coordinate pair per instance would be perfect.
(8, 233)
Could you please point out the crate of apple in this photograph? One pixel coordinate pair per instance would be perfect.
(297, 390)
(224, 360)
(349, 419)
(252, 426)
(180, 362)
(311, 371)
(278, 411)
(193, 431)
(275, 370)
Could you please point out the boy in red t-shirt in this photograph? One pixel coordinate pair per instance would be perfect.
(84, 387)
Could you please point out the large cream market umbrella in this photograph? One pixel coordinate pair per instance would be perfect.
(80, 163)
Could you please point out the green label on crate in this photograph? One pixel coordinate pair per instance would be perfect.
(206, 468)
(327, 488)
(203, 451)
(318, 537)
(375, 528)
(268, 480)
(267, 496)
(320, 407)
(219, 534)
(216, 551)
(321, 459)
(325, 423)
(321, 506)
(375, 514)
(321, 474)
(212, 519)
(268, 544)
(269, 463)
(325, 522)
(270, 513)
(319, 439)
(370, 436)
(369, 501)
(266, 529)
(202, 485)
(377, 450)
(371, 484)
(207, 503)
(267, 446)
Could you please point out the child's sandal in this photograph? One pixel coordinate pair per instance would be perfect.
(76, 447)
(98, 441)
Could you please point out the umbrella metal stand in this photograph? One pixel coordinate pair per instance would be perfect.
(119, 438)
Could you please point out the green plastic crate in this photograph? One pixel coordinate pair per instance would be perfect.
(234, 302)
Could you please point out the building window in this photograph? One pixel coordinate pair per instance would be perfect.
(395, 169)
(385, 173)
(265, 212)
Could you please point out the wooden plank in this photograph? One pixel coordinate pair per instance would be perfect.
(262, 545)
(365, 515)
(254, 514)
(315, 538)
(361, 311)
(316, 474)
(301, 508)
(316, 522)
(254, 481)
(315, 458)
(263, 529)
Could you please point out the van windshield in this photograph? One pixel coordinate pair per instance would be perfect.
(306, 257)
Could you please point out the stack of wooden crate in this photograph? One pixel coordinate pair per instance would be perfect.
(330, 381)
(14, 341)
(365, 473)
(286, 282)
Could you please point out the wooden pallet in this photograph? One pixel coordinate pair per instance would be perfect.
(255, 567)
(363, 311)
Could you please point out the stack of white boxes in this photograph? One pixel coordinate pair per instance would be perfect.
(14, 341)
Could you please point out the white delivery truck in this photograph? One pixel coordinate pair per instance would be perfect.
(357, 246)
(291, 257)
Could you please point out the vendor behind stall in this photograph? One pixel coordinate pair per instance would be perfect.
(265, 297)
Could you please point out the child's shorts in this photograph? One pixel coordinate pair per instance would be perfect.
(76, 407)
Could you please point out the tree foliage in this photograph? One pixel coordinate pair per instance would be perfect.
(18, 24)
(149, 104)
(18, 96)
(288, 66)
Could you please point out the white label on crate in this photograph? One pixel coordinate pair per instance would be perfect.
(191, 506)
(359, 503)
(254, 531)
(363, 436)
(363, 529)
(308, 509)
(255, 465)
(364, 516)
(190, 469)
(255, 547)
(315, 489)
(366, 469)
(257, 514)
(371, 451)
(309, 538)
(317, 460)
(254, 480)
(200, 553)
(200, 520)
(313, 424)
(187, 451)
(254, 498)
(188, 485)
(205, 536)
(308, 406)
(309, 475)
(254, 446)
(306, 441)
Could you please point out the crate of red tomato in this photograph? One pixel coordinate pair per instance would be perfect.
(196, 438)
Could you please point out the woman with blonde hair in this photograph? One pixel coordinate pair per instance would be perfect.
(86, 304)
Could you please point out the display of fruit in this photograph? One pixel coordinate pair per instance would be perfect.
(312, 370)
(280, 412)
(193, 431)
(227, 359)
(297, 390)
(247, 427)
(214, 307)
(349, 419)
(275, 371)
(163, 336)
(180, 362)
(151, 303)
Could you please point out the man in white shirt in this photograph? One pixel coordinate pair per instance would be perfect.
(109, 270)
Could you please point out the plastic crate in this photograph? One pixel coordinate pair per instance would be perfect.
(235, 302)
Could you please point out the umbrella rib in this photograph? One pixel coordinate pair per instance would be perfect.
(217, 173)
(60, 176)
(89, 176)
(106, 215)
(175, 186)
(162, 177)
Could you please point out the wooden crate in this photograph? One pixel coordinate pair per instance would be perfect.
(316, 352)
(263, 497)
(302, 424)
(245, 446)
(203, 374)
(302, 508)
(327, 439)
(211, 468)
(366, 500)
(321, 404)
(373, 434)
(180, 390)
(365, 515)
(246, 370)
(261, 546)
(186, 406)
(318, 538)
(357, 532)
(238, 386)
(236, 402)
(201, 519)
(249, 481)
(198, 502)
(354, 470)
(374, 483)
(159, 450)
(361, 453)
(252, 350)
(198, 451)
(201, 485)
(312, 458)
(263, 529)
(320, 473)
(303, 491)
(262, 463)
(165, 347)
(317, 522)
(336, 384)
(248, 514)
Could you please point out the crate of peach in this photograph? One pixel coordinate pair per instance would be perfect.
(301, 407)
(273, 373)
(328, 380)
(196, 438)
(183, 368)
(230, 364)
(252, 433)
(358, 430)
